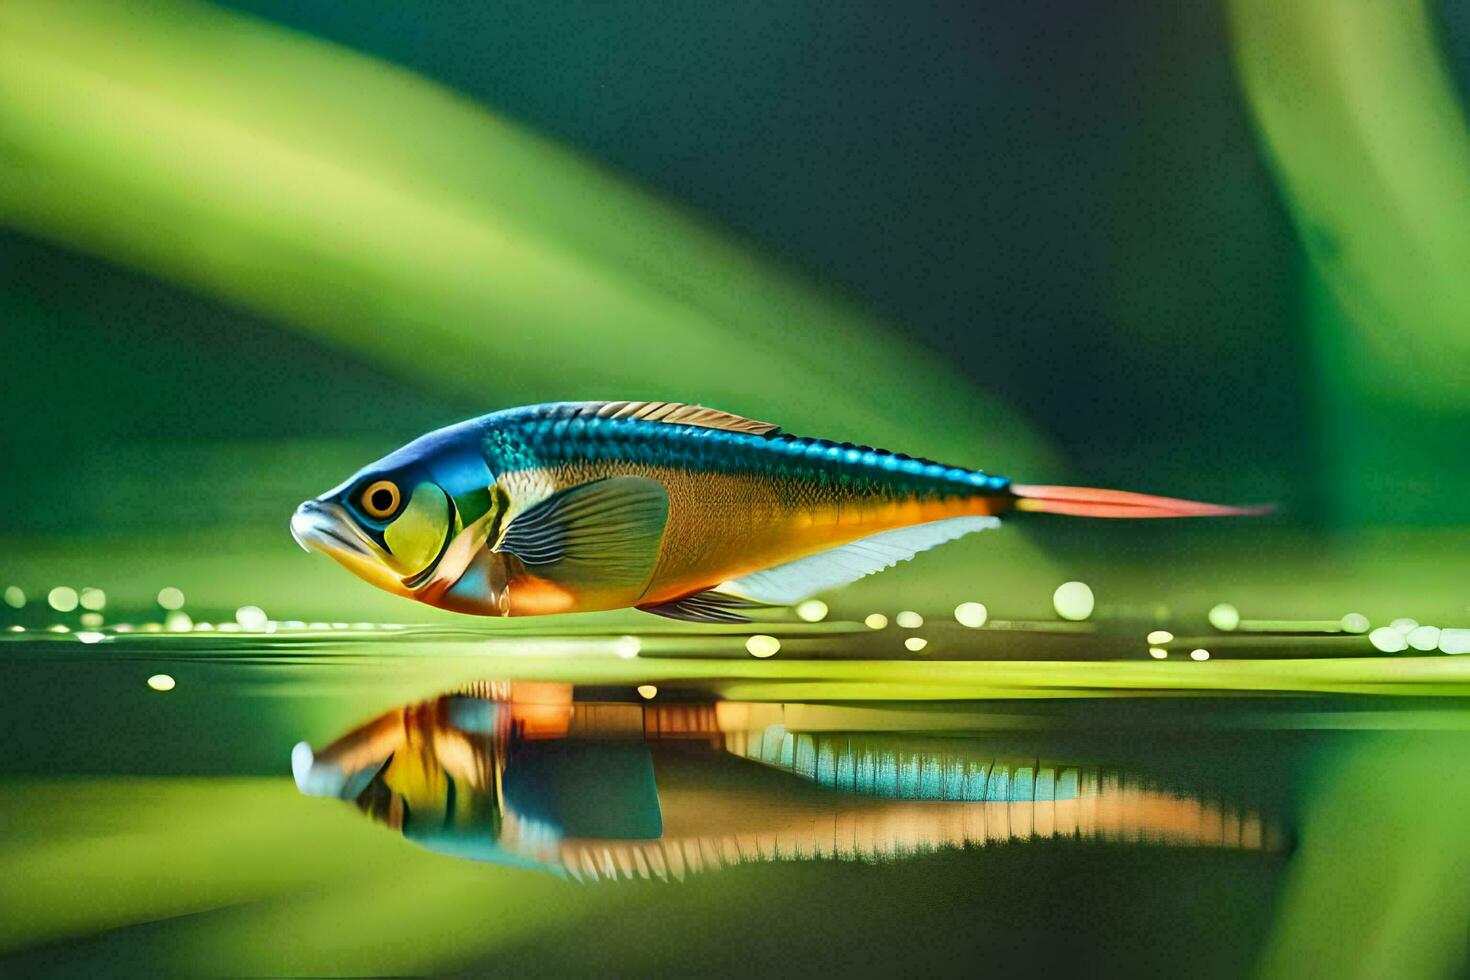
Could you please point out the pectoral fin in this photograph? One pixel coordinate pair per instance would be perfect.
(604, 534)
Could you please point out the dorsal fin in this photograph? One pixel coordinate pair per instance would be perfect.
(678, 413)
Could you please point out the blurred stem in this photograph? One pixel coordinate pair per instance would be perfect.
(1361, 123)
(1381, 883)
(1363, 128)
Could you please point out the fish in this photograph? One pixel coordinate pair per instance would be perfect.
(533, 775)
(676, 509)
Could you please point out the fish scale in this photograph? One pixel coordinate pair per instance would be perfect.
(547, 436)
(739, 502)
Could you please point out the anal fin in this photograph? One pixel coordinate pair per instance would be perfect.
(836, 567)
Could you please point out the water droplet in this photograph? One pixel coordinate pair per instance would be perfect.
(1158, 653)
(94, 599)
(915, 643)
(1387, 639)
(761, 645)
(1424, 638)
(627, 647)
(971, 614)
(875, 621)
(1199, 654)
(1224, 617)
(1160, 637)
(1454, 641)
(63, 598)
(251, 618)
(647, 692)
(15, 597)
(812, 611)
(1073, 601)
(170, 598)
(161, 682)
(909, 619)
(1355, 623)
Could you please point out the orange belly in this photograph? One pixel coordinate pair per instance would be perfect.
(722, 526)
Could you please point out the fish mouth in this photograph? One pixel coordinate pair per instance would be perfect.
(319, 526)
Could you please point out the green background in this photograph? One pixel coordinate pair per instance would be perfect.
(1205, 250)
(1209, 250)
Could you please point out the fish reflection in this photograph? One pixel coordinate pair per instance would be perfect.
(524, 774)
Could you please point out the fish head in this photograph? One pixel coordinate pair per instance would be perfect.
(392, 523)
(434, 771)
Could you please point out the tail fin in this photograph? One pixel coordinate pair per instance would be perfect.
(1090, 502)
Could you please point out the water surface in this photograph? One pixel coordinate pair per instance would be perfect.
(369, 801)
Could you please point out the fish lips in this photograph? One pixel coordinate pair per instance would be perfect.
(321, 526)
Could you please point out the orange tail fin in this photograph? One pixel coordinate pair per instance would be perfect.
(1090, 502)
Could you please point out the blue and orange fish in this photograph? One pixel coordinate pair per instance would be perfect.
(679, 510)
(532, 775)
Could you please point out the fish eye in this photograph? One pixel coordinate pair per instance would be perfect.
(380, 499)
